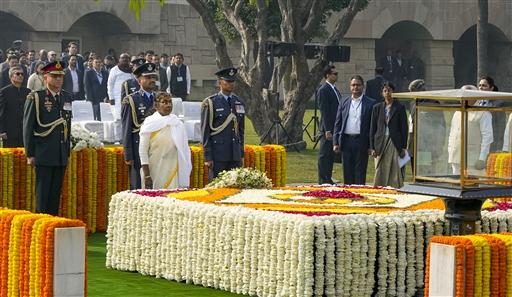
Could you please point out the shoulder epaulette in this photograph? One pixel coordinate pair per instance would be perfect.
(31, 95)
(126, 100)
(205, 101)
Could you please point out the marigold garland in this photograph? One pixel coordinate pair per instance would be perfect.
(26, 260)
(94, 175)
(483, 264)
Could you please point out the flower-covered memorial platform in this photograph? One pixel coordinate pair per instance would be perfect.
(93, 175)
(291, 241)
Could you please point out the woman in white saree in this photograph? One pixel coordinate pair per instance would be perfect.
(163, 148)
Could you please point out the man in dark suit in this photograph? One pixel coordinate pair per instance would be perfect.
(134, 110)
(400, 70)
(12, 61)
(73, 51)
(222, 126)
(12, 100)
(351, 132)
(374, 85)
(74, 80)
(328, 100)
(46, 135)
(96, 86)
(388, 64)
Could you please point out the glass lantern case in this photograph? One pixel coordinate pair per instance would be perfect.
(462, 149)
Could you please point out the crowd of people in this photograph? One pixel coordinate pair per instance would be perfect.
(370, 122)
(93, 77)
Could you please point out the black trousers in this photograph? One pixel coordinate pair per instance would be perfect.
(325, 161)
(355, 161)
(48, 186)
(219, 166)
(134, 171)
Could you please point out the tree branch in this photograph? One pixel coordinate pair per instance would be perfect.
(314, 18)
(259, 68)
(232, 13)
(222, 57)
(345, 21)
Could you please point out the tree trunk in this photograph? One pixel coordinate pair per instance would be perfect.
(292, 75)
(482, 37)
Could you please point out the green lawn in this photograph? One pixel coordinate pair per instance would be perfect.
(302, 168)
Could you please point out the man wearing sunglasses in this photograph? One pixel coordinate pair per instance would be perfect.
(328, 99)
(12, 99)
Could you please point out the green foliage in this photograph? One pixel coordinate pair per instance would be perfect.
(137, 5)
(248, 14)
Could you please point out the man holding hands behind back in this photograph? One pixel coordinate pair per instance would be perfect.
(222, 125)
(352, 132)
(46, 133)
(328, 100)
(135, 108)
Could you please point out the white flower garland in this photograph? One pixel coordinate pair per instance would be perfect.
(262, 253)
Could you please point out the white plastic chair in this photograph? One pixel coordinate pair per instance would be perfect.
(82, 111)
(109, 123)
(106, 112)
(177, 107)
(193, 128)
(83, 115)
(191, 110)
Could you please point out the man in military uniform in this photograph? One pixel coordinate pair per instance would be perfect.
(134, 109)
(46, 134)
(222, 125)
(132, 85)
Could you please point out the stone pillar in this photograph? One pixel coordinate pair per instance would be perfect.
(438, 60)
(50, 41)
(362, 62)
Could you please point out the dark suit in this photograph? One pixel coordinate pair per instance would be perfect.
(68, 84)
(131, 126)
(397, 124)
(354, 146)
(388, 63)
(162, 78)
(79, 62)
(226, 148)
(51, 151)
(6, 80)
(328, 103)
(96, 91)
(400, 70)
(12, 100)
(374, 88)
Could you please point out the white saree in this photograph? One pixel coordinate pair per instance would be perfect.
(164, 148)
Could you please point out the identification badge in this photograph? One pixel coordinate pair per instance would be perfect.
(219, 109)
(67, 106)
(179, 78)
(239, 108)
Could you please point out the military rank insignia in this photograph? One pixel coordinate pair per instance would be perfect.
(48, 104)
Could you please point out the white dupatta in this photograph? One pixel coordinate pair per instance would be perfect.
(156, 122)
